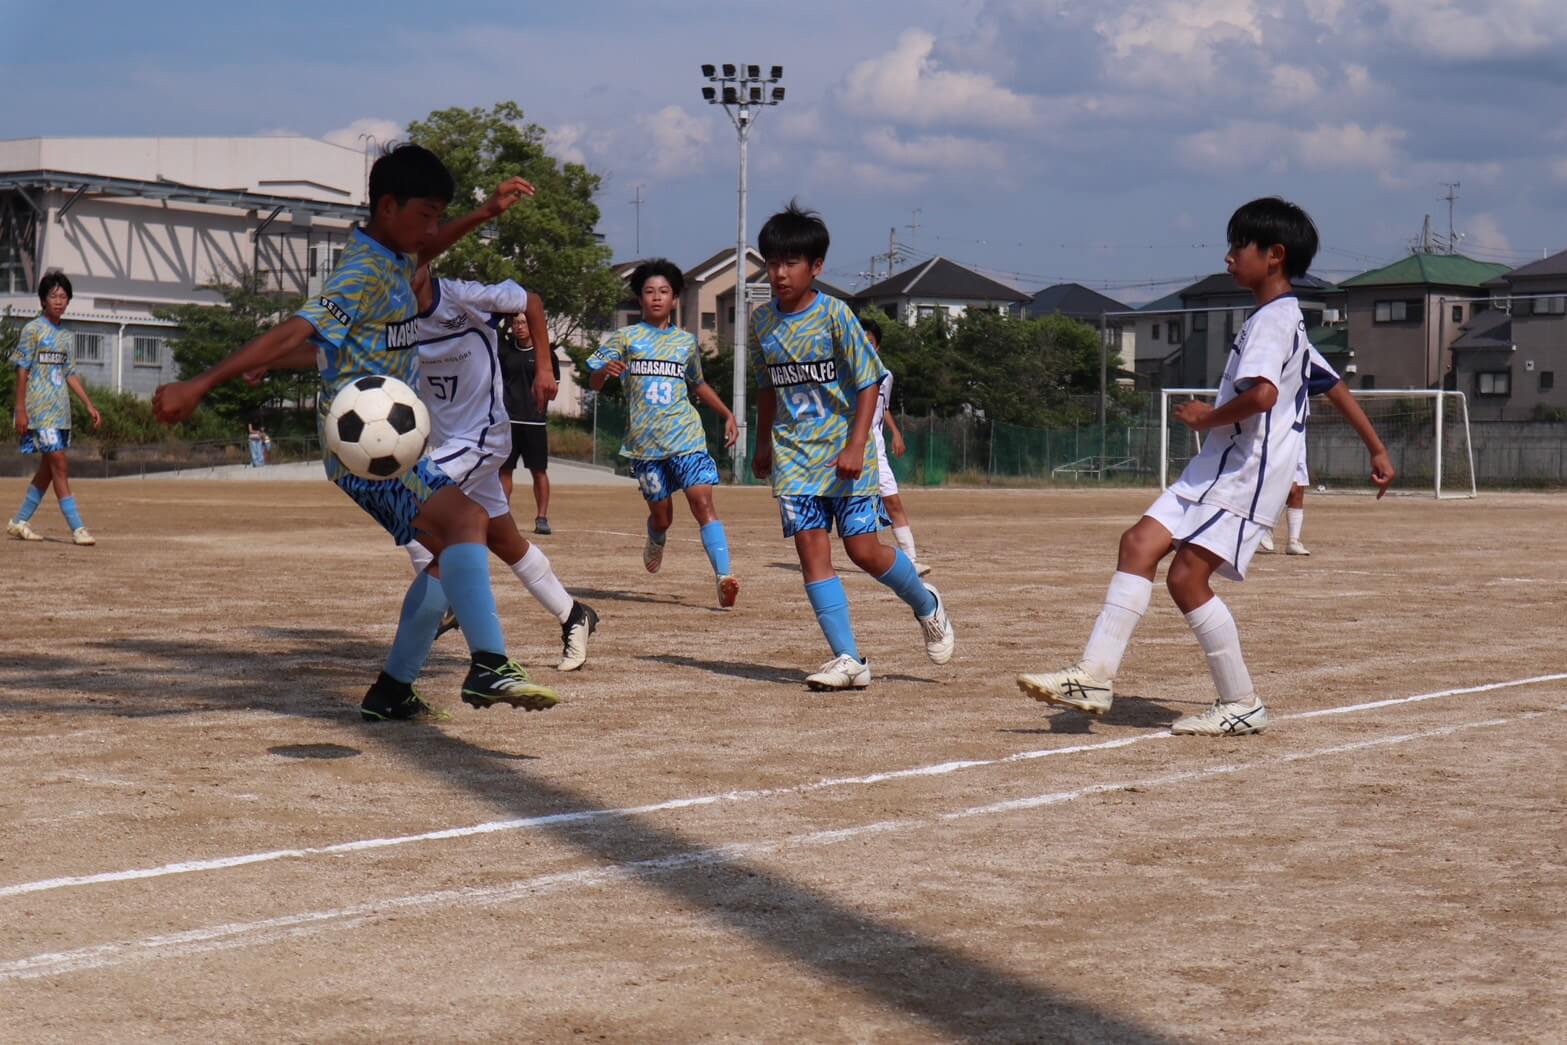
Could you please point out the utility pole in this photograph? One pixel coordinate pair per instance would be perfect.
(636, 201)
(914, 226)
(1451, 198)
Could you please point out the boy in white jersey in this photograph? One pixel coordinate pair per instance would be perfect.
(1214, 515)
(887, 482)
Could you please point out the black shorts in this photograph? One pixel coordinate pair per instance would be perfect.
(531, 445)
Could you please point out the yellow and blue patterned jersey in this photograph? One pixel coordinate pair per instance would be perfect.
(816, 361)
(48, 354)
(662, 366)
(366, 322)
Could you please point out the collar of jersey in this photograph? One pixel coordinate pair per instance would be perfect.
(658, 330)
(52, 324)
(817, 300)
(1281, 297)
(366, 240)
(435, 300)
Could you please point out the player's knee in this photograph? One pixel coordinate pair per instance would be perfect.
(1136, 548)
(868, 555)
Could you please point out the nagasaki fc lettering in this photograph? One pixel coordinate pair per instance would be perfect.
(403, 335)
(656, 368)
(820, 373)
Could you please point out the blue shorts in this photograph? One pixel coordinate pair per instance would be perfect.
(394, 502)
(854, 516)
(45, 440)
(661, 478)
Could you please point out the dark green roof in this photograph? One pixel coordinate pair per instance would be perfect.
(1442, 270)
(1330, 341)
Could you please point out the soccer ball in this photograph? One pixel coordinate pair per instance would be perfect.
(377, 427)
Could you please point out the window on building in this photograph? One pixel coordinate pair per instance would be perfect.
(925, 311)
(1399, 311)
(1458, 313)
(1547, 380)
(1494, 382)
(1175, 334)
(1312, 317)
(11, 280)
(146, 351)
(89, 348)
(710, 321)
(1155, 332)
(313, 261)
(1553, 306)
(731, 315)
(1368, 380)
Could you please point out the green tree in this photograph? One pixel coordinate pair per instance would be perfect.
(547, 243)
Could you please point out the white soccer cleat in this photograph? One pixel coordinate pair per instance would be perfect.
(653, 555)
(842, 672)
(921, 569)
(728, 591)
(574, 635)
(1266, 544)
(1224, 720)
(1296, 548)
(1072, 687)
(22, 530)
(81, 536)
(940, 640)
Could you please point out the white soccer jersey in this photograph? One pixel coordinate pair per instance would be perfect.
(1247, 468)
(883, 402)
(459, 370)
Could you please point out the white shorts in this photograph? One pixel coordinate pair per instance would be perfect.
(1229, 536)
(887, 482)
(477, 472)
(1302, 476)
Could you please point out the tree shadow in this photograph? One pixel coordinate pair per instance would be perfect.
(950, 990)
(1127, 710)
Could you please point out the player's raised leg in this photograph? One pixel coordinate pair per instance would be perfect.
(1238, 709)
(858, 519)
(824, 588)
(578, 621)
(392, 696)
(715, 541)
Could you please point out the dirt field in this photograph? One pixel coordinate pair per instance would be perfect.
(203, 842)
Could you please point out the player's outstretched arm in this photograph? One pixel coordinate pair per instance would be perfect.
(74, 383)
(1381, 464)
(506, 193)
(1201, 417)
(710, 399)
(175, 402)
(545, 385)
(766, 410)
(301, 358)
(851, 462)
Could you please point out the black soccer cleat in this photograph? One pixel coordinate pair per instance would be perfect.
(541, 526)
(389, 700)
(582, 623)
(495, 679)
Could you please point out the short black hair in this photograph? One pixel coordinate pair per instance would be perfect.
(52, 280)
(872, 328)
(658, 267)
(410, 172)
(794, 232)
(1272, 221)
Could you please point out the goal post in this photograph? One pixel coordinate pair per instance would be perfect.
(1425, 430)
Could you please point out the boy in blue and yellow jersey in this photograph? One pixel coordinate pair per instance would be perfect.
(660, 366)
(45, 368)
(364, 323)
(817, 378)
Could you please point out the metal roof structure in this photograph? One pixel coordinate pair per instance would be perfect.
(80, 185)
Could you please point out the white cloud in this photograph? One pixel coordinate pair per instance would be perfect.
(565, 141)
(1357, 78)
(382, 130)
(1277, 148)
(1484, 236)
(1559, 170)
(1325, 12)
(1179, 44)
(1474, 29)
(948, 152)
(907, 85)
(1291, 85)
(678, 140)
(800, 124)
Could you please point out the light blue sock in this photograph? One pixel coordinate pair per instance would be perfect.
(465, 576)
(73, 518)
(30, 503)
(832, 613)
(716, 543)
(423, 607)
(902, 579)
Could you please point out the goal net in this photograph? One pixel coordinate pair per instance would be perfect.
(1426, 432)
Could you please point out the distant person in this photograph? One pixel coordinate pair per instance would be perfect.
(260, 443)
(887, 482)
(45, 368)
(530, 438)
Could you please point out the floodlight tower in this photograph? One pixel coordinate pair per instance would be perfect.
(740, 89)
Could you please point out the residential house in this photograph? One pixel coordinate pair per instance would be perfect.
(1076, 301)
(1507, 358)
(938, 287)
(1403, 318)
(1198, 337)
(1149, 332)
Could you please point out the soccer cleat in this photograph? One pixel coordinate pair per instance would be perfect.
(22, 530)
(448, 622)
(1071, 687)
(389, 700)
(541, 526)
(574, 637)
(1224, 720)
(728, 591)
(921, 569)
(1266, 544)
(940, 640)
(653, 554)
(1296, 548)
(842, 672)
(493, 679)
(81, 536)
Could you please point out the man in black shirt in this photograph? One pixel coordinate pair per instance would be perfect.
(529, 427)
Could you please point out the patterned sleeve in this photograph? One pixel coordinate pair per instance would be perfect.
(694, 364)
(612, 350)
(25, 347)
(759, 371)
(854, 348)
(334, 312)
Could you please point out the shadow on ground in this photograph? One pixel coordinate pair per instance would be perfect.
(1127, 710)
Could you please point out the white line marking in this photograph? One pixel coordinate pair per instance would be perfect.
(269, 930)
(641, 536)
(587, 815)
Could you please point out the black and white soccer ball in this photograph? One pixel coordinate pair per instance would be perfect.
(377, 427)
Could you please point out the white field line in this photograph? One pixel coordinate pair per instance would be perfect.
(589, 815)
(234, 935)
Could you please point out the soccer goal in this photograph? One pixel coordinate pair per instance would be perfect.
(1426, 432)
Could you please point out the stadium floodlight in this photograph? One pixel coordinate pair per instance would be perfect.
(738, 95)
(709, 71)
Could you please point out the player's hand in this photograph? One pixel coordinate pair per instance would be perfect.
(762, 460)
(175, 402)
(507, 193)
(253, 378)
(94, 415)
(545, 388)
(897, 444)
(1194, 414)
(21, 421)
(614, 368)
(731, 431)
(1381, 473)
(851, 462)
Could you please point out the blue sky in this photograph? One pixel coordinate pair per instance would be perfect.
(1102, 141)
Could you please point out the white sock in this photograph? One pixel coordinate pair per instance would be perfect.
(1216, 633)
(905, 538)
(420, 555)
(1297, 522)
(534, 571)
(1125, 603)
